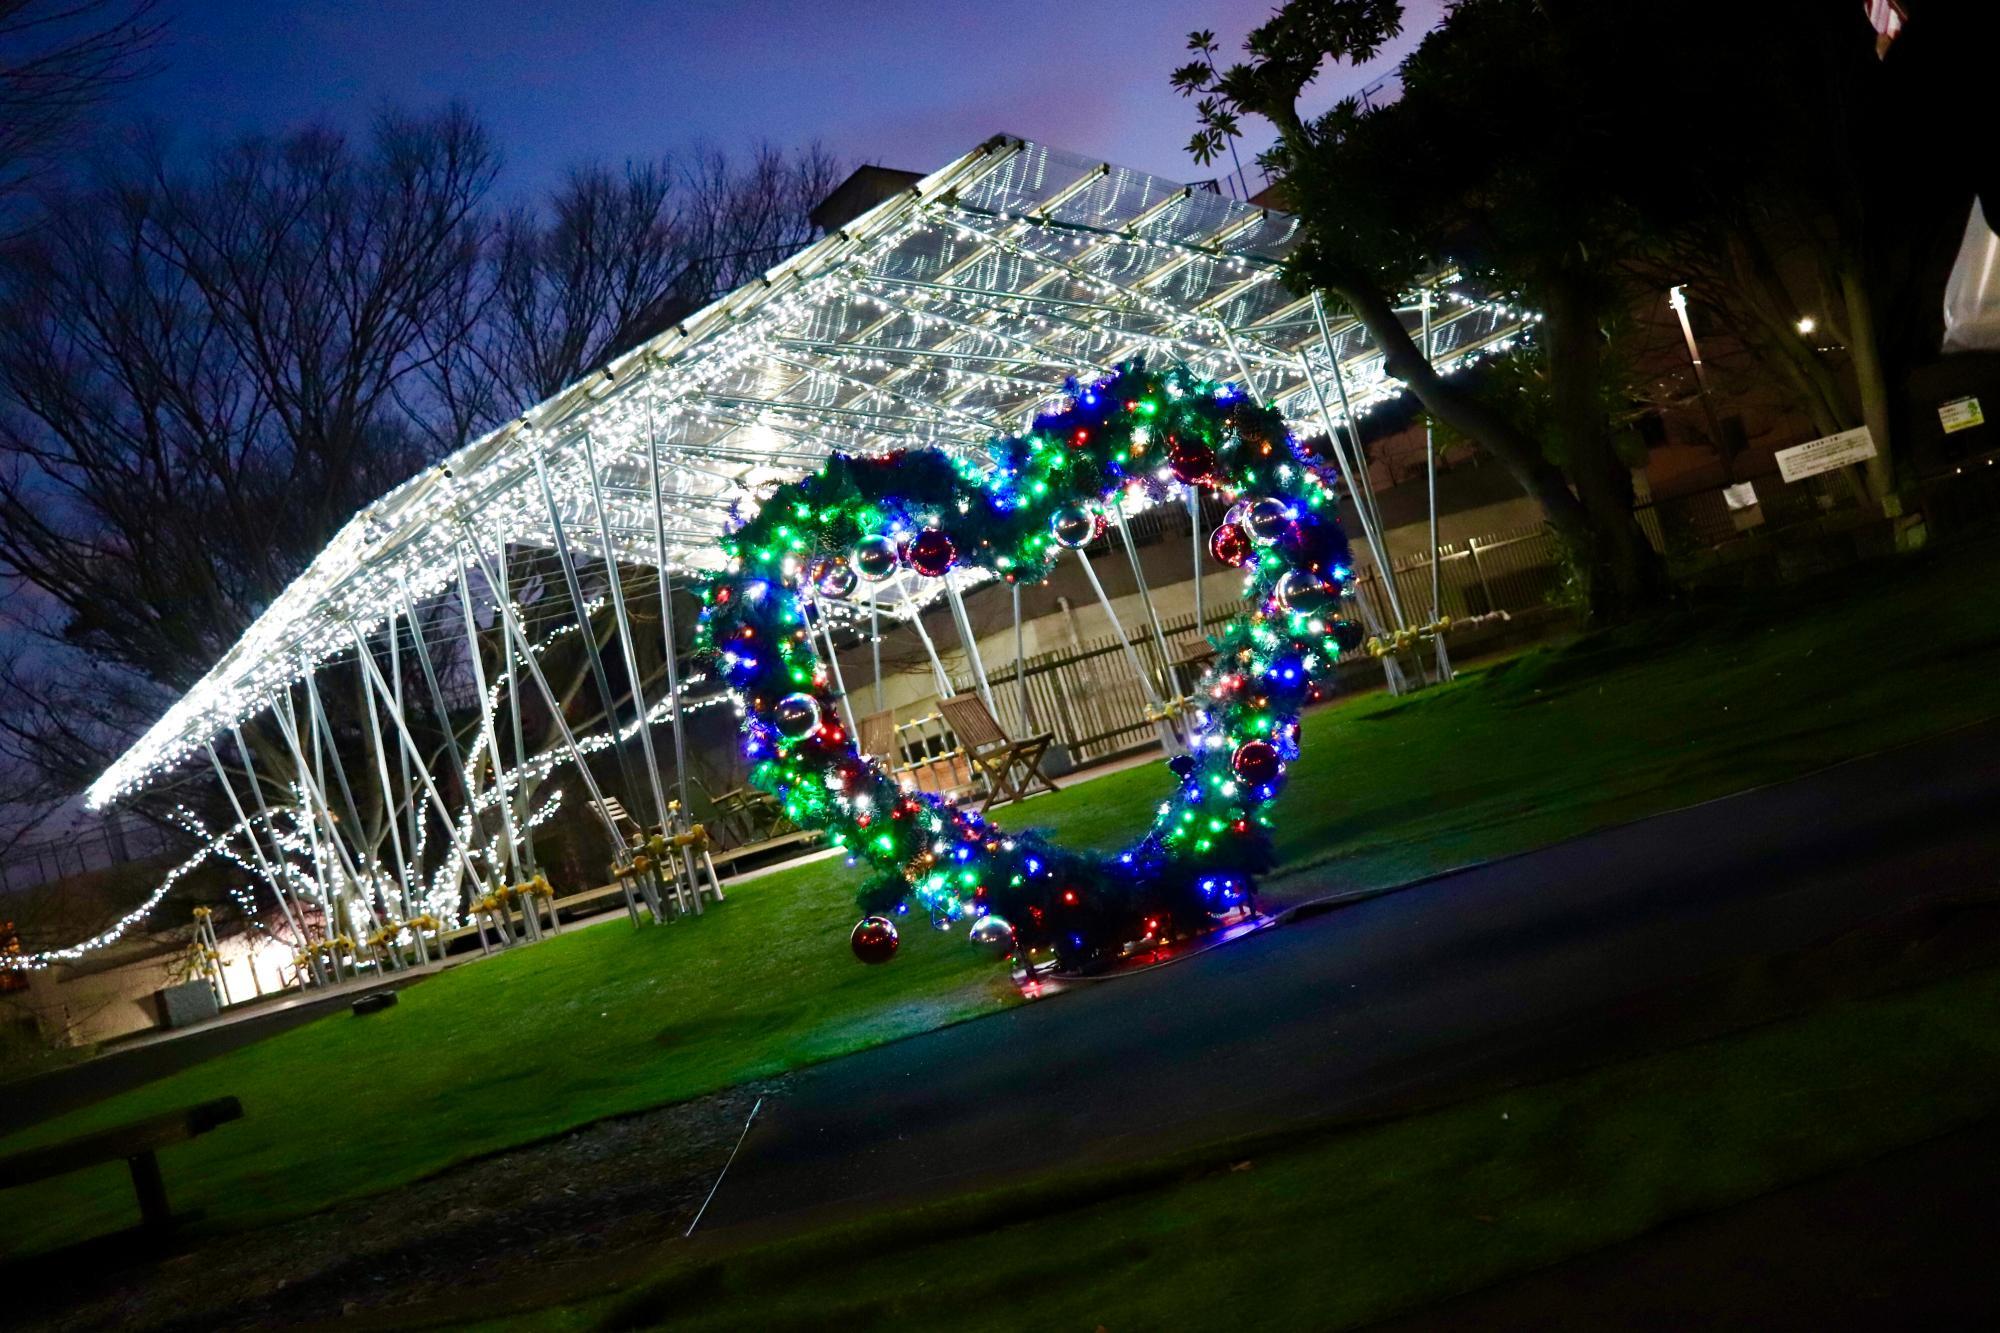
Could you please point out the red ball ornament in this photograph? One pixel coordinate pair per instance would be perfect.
(1230, 545)
(932, 553)
(1256, 763)
(1190, 460)
(874, 940)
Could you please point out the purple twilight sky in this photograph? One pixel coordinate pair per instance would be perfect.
(900, 82)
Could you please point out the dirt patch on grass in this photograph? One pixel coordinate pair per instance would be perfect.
(620, 1184)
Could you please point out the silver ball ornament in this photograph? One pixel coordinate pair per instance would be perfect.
(874, 558)
(1073, 527)
(992, 935)
(1266, 521)
(796, 716)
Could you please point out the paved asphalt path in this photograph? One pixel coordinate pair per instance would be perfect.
(1477, 973)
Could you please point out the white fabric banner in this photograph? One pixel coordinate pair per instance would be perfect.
(1972, 296)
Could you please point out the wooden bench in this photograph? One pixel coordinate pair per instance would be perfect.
(750, 851)
(137, 1143)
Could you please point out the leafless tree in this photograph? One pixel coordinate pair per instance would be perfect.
(205, 370)
(204, 375)
(59, 61)
(570, 280)
(742, 219)
(611, 258)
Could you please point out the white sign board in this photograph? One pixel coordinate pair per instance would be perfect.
(1825, 454)
(1960, 414)
(1743, 495)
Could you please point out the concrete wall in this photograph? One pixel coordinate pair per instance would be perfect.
(111, 995)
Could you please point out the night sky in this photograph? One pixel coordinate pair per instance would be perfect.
(899, 82)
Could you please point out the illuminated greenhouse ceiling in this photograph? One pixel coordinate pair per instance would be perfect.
(947, 315)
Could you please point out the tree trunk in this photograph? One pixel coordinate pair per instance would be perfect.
(1865, 350)
(1773, 313)
(1626, 576)
(1539, 479)
(1615, 558)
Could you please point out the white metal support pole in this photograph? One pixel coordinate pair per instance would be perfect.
(264, 812)
(965, 636)
(429, 672)
(1353, 463)
(323, 730)
(1362, 484)
(1169, 738)
(875, 644)
(391, 815)
(1021, 669)
(423, 770)
(916, 616)
(575, 586)
(522, 813)
(490, 725)
(323, 817)
(1242, 366)
(527, 655)
(846, 705)
(257, 850)
(411, 805)
(1194, 532)
(1392, 672)
(1145, 594)
(1431, 477)
(625, 644)
(1345, 458)
(319, 806)
(671, 646)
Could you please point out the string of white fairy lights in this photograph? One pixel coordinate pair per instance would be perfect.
(672, 388)
(346, 586)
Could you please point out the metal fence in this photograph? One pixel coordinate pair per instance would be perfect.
(1095, 705)
(1505, 571)
(112, 843)
(1702, 520)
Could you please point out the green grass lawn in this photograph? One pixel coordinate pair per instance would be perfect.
(597, 1022)
(1343, 1226)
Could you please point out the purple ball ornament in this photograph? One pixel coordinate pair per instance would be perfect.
(1266, 521)
(1190, 460)
(1256, 763)
(1230, 545)
(874, 940)
(932, 553)
(992, 935)
(1075, 527)
(1305, 593)
(837, 579)
(796, 716)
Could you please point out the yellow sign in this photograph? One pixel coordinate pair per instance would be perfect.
(1960, 414)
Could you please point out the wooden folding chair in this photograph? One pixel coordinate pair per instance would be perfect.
(1012, 768)
(877, 738)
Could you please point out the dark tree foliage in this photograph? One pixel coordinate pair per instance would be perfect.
(1768, 157)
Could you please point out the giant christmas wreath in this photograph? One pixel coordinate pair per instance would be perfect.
(859, 519)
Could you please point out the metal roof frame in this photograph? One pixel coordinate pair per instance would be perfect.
(938, 317)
